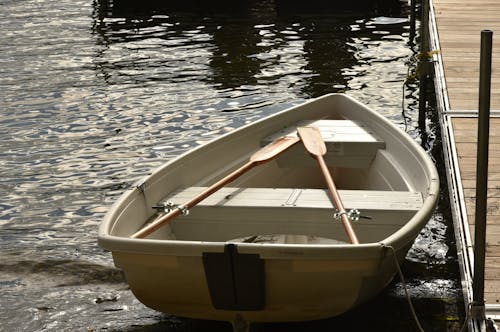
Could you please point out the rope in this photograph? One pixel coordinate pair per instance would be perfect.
(408, 298)
(467, 316)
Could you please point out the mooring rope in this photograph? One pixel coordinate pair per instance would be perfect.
(408, 298)
(467, 315)
(405, 287)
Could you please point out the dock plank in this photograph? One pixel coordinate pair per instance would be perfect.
(459, 25)
(465, 138)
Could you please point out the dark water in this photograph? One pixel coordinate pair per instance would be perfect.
(95, 95)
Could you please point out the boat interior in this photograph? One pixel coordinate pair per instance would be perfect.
(286, 200)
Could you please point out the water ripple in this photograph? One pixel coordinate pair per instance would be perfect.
(93, 99)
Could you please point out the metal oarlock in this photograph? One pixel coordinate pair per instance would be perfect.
(169, 206)
(353, 214)
(184, 210)
(165, 207)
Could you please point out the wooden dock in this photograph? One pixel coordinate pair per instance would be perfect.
(455, 27)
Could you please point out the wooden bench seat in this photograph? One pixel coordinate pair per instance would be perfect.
(238, 213)
(303, 198)
(349, 144)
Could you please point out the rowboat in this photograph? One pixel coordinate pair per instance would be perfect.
(246, 228)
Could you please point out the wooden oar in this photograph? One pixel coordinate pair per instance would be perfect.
(311, 137)
(263, 155)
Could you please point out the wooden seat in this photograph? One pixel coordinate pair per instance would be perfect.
(303, 198)
(349, 143)
(233, 213)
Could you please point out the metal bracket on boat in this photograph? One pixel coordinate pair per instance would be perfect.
(170, 206)
(353, 214)
(165, 207)
(184, 210)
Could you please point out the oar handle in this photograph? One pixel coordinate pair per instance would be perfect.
(337, 200)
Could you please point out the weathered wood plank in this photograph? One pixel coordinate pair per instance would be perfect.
(460, 24)
(467, 123)
(468, 149)
(493, 211)
(471, 183)
(460, 45)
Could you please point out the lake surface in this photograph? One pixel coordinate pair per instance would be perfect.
(95, 95)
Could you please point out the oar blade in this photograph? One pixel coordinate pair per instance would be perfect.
(273, 149)
(312, 140)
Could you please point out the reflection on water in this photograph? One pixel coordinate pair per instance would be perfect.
(95, 95)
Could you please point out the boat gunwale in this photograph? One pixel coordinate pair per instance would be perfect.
(398, 239)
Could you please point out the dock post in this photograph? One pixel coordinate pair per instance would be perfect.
(483, 128)
(424, 62)
(413, 21)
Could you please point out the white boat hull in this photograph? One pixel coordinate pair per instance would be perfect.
(296, 288)
(176, 269)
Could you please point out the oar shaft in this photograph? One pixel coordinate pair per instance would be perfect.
(221, 183)
(265, 154)
(336, 200)
(145, 231)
